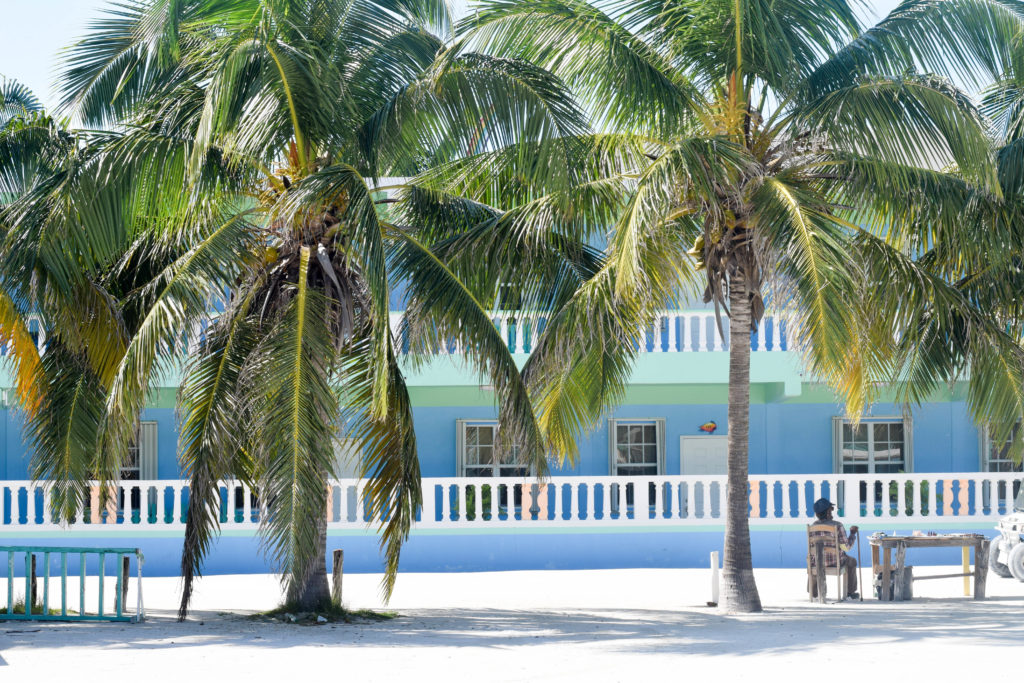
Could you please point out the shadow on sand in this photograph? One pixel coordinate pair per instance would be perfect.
(679, 631)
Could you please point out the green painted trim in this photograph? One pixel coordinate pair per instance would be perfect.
(438, 396)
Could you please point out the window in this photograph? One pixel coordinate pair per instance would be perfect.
(637, 447)
(477, 442)
(478, 452)
(141, 459)
(996, 457)
(876, 445)
(140, 462)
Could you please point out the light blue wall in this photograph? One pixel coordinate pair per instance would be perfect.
(15, 461)
(600, 548)
(785, 438)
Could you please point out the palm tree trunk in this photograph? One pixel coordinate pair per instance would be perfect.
(738, 587)
(313, 594)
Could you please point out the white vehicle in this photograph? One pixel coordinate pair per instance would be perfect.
(1006, 552)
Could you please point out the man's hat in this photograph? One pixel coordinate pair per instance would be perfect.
(821, 505)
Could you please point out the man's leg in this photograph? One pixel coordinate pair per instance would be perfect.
(851, 574)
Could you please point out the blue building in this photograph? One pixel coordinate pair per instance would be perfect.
(646, 491)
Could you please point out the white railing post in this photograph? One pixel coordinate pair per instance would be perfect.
(702, 341)
(671, 319)
(776, 333)
(428, 511)
(15, 505)
(685, 327)
(589, 500)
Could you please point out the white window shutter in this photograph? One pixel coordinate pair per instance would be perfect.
(908, 444)
(148, 450)
(837, 444)
(460, 448)
(612, 422)
(660, 423)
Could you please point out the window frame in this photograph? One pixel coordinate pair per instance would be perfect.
(147, 452)
(985, 452)
(461, 425)
(838, 421)
(659, 424)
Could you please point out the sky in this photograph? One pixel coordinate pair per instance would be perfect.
(34, 32)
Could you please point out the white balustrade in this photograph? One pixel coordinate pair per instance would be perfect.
(874, 501)
(669, 332)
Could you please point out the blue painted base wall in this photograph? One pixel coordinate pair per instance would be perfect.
(473, 552)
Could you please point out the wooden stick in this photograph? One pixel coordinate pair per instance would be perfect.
(860, 570)
(966, 555)
(336, 576)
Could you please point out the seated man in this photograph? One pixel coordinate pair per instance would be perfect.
(823, 510)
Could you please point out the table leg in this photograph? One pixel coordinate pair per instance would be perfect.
(980, 568)
(901, 560)
(886, 575)
(874, 563)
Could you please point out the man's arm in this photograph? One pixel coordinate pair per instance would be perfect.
(846, 542)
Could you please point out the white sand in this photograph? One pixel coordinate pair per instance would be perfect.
(608, 625)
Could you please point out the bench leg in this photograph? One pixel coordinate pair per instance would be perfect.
(980, 568)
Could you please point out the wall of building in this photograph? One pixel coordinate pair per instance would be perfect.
(787, 436)
(239, 552)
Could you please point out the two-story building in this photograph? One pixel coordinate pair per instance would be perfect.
(646, 491)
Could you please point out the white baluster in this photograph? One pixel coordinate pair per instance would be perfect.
(760, 334)
(776, 333)
(656, 348)
(685, 327)
(659, 496)
(446, 504)
(670, 319)
(30, 510)
(606, 501)
(706, 502)
(699, 323)
(715, 344)
(428, 512)
(495, 497)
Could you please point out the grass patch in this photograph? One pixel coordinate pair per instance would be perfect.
(19, 608)
(328, 615)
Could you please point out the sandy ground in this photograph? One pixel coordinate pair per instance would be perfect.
(608, 625)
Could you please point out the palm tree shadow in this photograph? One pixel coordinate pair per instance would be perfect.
(680, 631)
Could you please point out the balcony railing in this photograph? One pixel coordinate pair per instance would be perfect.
(672, 332)
(454, 503)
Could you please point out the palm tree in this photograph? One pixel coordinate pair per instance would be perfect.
(767, 149)
(32, 146)
(234, 217)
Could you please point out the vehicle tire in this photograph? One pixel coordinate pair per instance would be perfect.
(1016, 562)
(994, 564)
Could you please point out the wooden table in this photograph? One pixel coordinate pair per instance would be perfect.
(900, 544)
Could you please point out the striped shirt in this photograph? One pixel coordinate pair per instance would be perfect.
(829, 547)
